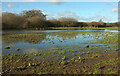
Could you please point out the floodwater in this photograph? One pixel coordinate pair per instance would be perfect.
(56, 41)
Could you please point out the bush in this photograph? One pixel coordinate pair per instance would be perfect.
(12, 21)
(98, 24)
(67, 21)
(37, 22)
(81, 24)
(55, 23)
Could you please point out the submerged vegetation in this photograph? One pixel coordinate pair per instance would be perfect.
(7, 47)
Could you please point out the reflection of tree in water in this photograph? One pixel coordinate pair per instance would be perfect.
(30, 38)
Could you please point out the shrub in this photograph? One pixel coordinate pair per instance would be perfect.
(12, 21)
(37, 22)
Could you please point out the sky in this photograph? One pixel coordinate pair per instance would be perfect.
(59, 0)
(82, 11)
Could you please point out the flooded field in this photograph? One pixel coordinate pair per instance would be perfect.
(60, 52)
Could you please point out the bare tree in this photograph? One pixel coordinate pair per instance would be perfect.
(32, 13)
(10, 20)
(67, 21)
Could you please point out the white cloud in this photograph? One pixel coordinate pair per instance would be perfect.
(61, 0)
(81, 18)
(51, 1)
(115, 10)
(10, 5)
(68, 14)
(55, 0)
(45, 0)
(0, 9)
(32, 0)
(12, 10)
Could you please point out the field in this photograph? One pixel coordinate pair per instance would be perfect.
(61, 52)
(59, 37)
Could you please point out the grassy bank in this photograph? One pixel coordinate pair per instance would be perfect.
(100, 28)
(70, 28)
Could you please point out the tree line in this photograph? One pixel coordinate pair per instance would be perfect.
(35, 19)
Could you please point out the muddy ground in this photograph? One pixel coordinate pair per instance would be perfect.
(92, 63)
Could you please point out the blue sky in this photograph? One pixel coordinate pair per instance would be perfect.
(82, 11)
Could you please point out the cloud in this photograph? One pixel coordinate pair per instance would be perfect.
(61, 0)
(96, 18)
(115, 10)
(32, 0)
(113, 5)
(0, 11)
(45, 0)
(10, 5)
(57, 2)
(80, 18)
(68, 14)
(12, 10)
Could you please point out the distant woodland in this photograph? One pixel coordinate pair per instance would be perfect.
(36, 19)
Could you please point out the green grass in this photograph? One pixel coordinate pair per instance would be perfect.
(66, 28)
(7, 47)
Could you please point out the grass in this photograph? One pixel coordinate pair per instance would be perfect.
(19, 68)
(32, 64)
(64, 58)
(7, 47)
(87, 46)
(71, 28)
(18, 49)
(83, 63)
(64, 62)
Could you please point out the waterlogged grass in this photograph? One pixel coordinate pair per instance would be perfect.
(68, 52)
(30, 38)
